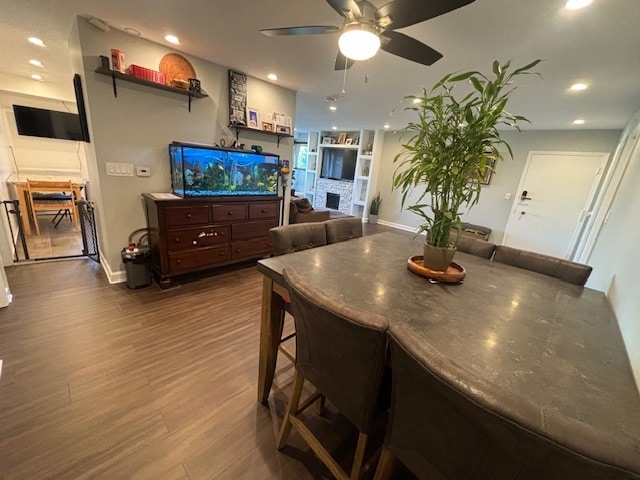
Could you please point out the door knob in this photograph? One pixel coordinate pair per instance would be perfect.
(524, 195)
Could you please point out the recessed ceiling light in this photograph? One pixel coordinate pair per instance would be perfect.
(576, 4)
(417, 100)
(576, 87)
(272, 76)
(334, 128)
(333, 108)
(36, 41)
(36, 63)
(35, 76)
(579, 121)
(386, 125)
(172, 39)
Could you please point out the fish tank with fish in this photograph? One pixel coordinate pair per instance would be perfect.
(210, 171)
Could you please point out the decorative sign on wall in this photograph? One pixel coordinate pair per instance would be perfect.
(237, 98)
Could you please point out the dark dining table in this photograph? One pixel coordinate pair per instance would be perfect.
(554, 344)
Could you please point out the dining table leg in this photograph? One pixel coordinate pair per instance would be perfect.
(270, 328)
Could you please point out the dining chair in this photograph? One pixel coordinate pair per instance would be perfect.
(51, 196)
(341, 229)
(475, 246)
(446, 424)
(288, 239)
(572, 272)
(341, 351)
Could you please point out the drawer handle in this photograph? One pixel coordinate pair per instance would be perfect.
(237, 250)
(229, 212)
(195, 242)
(263, 211)
(221, 254)
(178, 261)
(177, 239)
(188, 215)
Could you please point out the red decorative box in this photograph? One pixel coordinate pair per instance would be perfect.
(147, 74)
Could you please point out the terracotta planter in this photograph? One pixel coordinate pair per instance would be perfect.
(438, 258)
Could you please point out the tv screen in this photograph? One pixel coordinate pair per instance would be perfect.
(38, 122)
(338, 163)
(207, 171)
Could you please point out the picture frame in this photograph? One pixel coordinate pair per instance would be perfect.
(253, 118)
(348, 141)
(342, 138)
(488, 172)
(283, 129)
(267, 126)
(327, 140)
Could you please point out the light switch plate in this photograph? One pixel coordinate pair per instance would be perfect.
(120, 169)
(143, 171)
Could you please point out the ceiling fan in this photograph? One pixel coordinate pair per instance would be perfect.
(367, 29)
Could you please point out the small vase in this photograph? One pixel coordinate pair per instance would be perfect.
(437, 258)
(373, 218)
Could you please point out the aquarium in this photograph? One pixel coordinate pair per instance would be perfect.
(208, 171)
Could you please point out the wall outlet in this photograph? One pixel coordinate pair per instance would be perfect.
(507, 196)
(143, 171)
(120, 169)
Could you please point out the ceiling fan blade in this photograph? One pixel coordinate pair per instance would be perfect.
(406, 47)
(342, 62)
(305, 30)
(341, 6)
(402, 13)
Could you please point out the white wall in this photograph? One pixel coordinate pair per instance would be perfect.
(616, 253)
(137, 126)
(493, 209)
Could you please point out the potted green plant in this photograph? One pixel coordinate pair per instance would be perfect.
(452, 144)
(374, 208)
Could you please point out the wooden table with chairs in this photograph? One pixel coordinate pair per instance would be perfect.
(526, 349)
(29, 208)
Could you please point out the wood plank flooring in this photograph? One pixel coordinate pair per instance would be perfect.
(103, 382)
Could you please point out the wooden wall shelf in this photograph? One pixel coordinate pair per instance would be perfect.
(242, 128)
(130, 78)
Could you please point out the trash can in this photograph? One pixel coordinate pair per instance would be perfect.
(137, 264)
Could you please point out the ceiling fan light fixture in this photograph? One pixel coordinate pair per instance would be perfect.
(359, 41)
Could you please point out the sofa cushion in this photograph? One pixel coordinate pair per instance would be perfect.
(303, 204)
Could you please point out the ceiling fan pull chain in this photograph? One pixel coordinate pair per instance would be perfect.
(344, 79)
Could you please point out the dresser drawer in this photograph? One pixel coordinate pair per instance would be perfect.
(231, 212)
(246, 249)
(192, 215)
(195, 237)
(190, 260)
(243, 231)
(263, 210)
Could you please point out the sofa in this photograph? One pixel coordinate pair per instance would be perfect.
(301, 211)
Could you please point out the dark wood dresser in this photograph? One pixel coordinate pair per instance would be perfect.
(194, 234)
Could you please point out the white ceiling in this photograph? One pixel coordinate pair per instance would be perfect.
(597, 45)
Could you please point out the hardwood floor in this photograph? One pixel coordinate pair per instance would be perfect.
(103, 382)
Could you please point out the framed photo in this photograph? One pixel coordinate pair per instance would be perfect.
(253, 117)
(267, 126)
(283, 129)
(348, 141)
(488, 172)
(327, 140)
(342, 138)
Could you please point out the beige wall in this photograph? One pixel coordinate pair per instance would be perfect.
(493, 209)
(137, 126)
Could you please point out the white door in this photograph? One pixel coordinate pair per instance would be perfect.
(553, 201)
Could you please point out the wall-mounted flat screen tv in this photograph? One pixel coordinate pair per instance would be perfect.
(209, 171)
(39, 122)
(338, 163)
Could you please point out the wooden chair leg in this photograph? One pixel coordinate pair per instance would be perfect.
(359, 456)
(385, 465)
(292, 409)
